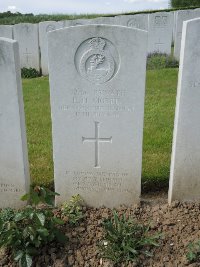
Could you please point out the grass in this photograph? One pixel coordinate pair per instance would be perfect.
(158, 128)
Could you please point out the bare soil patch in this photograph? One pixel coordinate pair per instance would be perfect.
(179, 225)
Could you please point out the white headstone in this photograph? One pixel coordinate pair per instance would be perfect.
(185, 167)
(6, 31)
(44, 28)
(97, 84)
(182, 15)
(160, 32)
(138, 21)
(28, 38)
(14, 173)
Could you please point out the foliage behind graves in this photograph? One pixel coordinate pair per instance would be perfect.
(29, 73)
(161, 61)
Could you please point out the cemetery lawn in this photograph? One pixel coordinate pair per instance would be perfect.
(158, 128)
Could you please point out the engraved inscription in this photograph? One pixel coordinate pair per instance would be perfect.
(10, 188)
(100, 181)
(160, 21)
(97, 140)
(97, 60)
(194, 84)
(98, 103)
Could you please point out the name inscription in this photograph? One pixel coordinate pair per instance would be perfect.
(99, 103)
(10, 188)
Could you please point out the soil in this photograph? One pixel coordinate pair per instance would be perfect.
(179, 223)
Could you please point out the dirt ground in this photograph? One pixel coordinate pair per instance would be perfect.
(179, 224)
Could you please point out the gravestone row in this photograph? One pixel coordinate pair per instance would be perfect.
(32, 38)
(97, 85)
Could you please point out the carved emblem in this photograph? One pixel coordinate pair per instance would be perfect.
(133, 23)
(96, 62)
(50, 28)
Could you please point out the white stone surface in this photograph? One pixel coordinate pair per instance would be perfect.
(138, 21)
(14, 174)
(44, 28)
(182, 15)
(99, 20)
(97, 84)
(76, 22)
(160, 32)
(28, 38)
(185, 167)
(104, 20)
(6, 31)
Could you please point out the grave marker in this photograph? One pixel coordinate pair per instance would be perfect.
(185, 168)
(27, 36)
(97, 84)
(14, 173)
(44, 28)
(6, 31)
(182, 16)
(160, 32)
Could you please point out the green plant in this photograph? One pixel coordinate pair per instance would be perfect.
(125, 240)
(193, 254)
(184, 3)
(161, 61)
(28, 73)
(27, 230)
(72, 210)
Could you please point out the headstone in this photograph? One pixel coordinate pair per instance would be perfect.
(185, 167)
(28, 38)
(138, 21)
(14, 173)
(97, 84)
(44, 28)
(6, 31)
(160, 32)
(182, 15)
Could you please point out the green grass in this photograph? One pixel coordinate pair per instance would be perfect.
(158, 128)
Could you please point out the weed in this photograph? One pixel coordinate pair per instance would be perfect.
(72, 210)
(193, 254)
(27, 230)
(125, 240)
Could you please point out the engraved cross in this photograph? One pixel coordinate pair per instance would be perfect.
(159, 44)
(97, 140)
(28, 55)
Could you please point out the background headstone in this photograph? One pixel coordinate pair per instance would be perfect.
(44, 28)
(160, 32)
(6, 31)
(28, 38)
(76, 22)
(185, 167)
(182, 15)
(14, 173)
(97, 84)
(138, 21)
